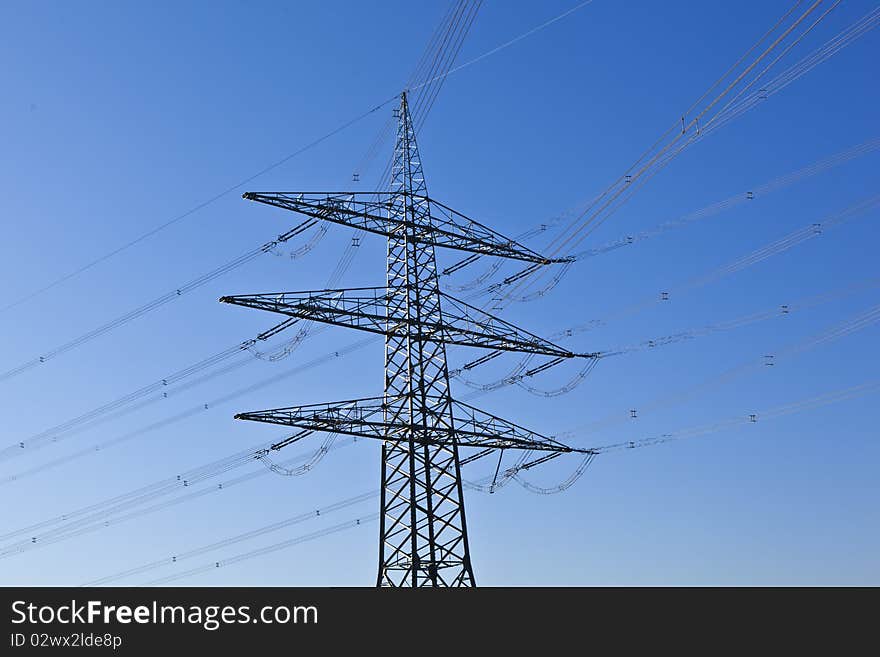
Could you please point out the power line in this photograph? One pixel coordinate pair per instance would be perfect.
(865, 321)
(504, 45)
(519, 376)
(158, 302)
(796, 237)
(642, 166)
(238, 538)
(130, 316)
(839, 330)
(759, 255)
(724, 116)
(342, 266)
(380, 138)
(130, 505)
(746, 196)
(127, 245)
(252, 554)
(95, 517)
(799, 406)
(808, 403)
(16, 449)
(763, 253)
(89, 419)
(237, 186)
(847, 36)
(746, 419)
(844, 38)
(659, 156)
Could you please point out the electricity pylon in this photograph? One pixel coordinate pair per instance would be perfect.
(423, 534)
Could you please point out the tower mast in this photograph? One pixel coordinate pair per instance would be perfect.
(423, 533)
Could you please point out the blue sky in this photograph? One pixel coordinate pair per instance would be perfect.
(117, 118)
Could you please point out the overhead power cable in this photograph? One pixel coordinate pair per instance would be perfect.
(90, 419)
(153, 231)
(867, 147)
(671, 143)
(433, 53)
(746, 419)
(514, 473)
(520, 378)
(238, 538)
(161, 301)
(504, 45)
(746, 196)
(253, 554)
(808, 232)
(809, 403)
(443, 60)
(155, 303)
(423, 102)
(858, 322)
(834, 45)
(129, 506)
(194, 410)
(689, 123)
(789, 241)
(237, 186)
(268, 247)
(103, 514)
(126, 501)
(759, 255)
(157, 390)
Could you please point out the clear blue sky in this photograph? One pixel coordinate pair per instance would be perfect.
(116, 117)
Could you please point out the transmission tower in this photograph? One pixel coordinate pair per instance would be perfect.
(423, 533)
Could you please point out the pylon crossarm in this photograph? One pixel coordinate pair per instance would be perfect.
(444, 216)
(469, 417)
(501, 331)
(365, 309)
(375, 212)
(365, 418)
(359, 308)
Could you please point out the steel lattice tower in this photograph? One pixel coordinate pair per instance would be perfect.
(423, 533)
(423, 519)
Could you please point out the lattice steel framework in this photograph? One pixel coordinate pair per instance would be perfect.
(423, 530)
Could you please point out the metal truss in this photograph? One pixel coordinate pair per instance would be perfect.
(375, 212)
(369, 418)
(366, 309)
(423, 530)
